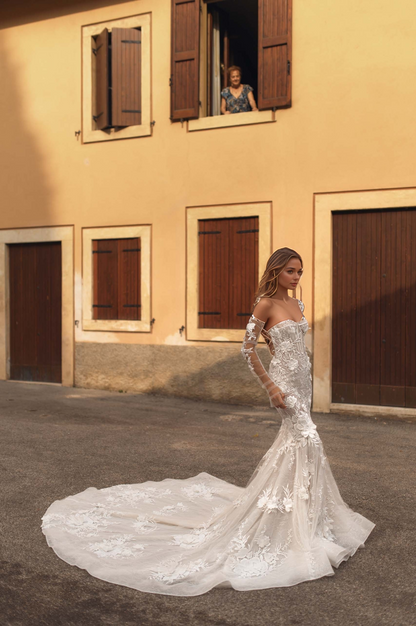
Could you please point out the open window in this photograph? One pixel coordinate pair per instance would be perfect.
(229, 36)
(208, 36)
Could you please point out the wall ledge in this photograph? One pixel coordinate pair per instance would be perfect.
(396, 412)
(236, 119)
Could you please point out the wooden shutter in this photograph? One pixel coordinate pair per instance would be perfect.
(243, 269)
(105, 279)
(275, 53)
(185, 59)
(101, 113)
(213, 240)
(228, 271)
(129, 304)
(126, 76)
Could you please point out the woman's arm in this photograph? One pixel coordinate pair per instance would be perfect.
(224, 107)
(253, 331)
(252, 101)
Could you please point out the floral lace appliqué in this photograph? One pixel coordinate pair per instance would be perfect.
(117, 547)
(85, 523)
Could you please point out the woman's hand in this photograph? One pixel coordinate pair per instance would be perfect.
(277, 399)
(252, 101)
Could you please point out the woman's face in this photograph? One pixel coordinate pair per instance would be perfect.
(291, 274)
(235, 79)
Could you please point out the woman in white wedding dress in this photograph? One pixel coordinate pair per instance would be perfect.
(184, 537)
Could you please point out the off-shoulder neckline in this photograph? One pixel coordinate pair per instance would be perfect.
(303, 318)
(278, 323)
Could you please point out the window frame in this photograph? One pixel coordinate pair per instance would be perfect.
(116, 232)
(262, 210)
(189, 104)
(90, 134)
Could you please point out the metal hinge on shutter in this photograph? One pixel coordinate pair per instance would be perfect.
(102, 251)
(131, 249)
(244, 314)
(102, 306)
(254, 230)
(130, 41)
(209, 313)
(130, 111)
(95, 50)
(209, 232)
(288, 68)
(132, 305)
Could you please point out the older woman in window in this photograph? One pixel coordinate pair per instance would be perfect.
(237, 98)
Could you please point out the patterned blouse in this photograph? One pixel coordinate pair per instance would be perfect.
(240, 104)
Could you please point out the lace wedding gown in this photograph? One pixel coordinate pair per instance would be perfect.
(184, 537)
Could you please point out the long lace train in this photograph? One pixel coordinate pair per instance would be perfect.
(184, 537)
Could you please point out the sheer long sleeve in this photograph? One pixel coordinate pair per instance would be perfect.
(248, 349)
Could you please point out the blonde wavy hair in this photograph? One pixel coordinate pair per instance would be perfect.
(269, 282)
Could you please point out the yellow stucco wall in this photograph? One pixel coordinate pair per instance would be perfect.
(351, 127)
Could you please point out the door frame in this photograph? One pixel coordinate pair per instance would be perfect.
(65, 235)
(325, 204)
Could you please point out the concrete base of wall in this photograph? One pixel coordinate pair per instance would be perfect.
(215, 373)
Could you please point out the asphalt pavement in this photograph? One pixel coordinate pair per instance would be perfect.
(57, 441)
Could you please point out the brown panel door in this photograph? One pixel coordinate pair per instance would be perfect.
(344, 307)
(393, 309)
(374, 304)
(35, 312)
(410, 252)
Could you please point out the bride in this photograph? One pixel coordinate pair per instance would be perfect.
(184, 537)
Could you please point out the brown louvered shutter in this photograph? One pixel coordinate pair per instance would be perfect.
(129, 304)
(275, 53)
(228, 271)
(126, 77)
(185, 59)
(101, 113)
(105, 279)
(213, 243)
(243, 269)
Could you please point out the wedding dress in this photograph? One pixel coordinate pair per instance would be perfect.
(184, 537)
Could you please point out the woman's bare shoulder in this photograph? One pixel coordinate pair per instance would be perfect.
(262, 309)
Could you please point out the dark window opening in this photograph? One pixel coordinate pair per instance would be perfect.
(232, 39)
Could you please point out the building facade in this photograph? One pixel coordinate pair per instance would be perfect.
(136, 220)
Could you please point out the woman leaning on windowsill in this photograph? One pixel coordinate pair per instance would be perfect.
(237, 98)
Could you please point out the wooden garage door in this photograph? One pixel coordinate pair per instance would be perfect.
(374, 305)
(35, 312)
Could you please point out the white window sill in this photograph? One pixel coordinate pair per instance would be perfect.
(234, 119)
(130, 326)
